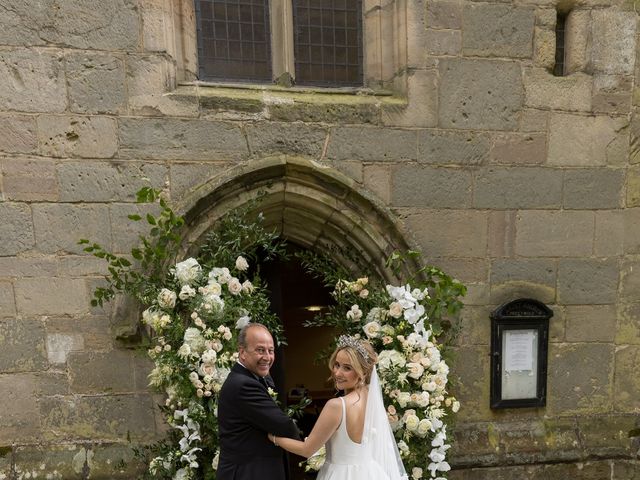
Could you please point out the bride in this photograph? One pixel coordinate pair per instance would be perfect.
(355, 429)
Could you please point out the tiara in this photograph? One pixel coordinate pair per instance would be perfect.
(353, 342)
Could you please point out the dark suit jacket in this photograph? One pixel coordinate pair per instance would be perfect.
(246, 413)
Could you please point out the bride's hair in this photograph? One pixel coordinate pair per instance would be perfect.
(362, 364)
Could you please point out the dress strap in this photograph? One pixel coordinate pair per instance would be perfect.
(344, 412)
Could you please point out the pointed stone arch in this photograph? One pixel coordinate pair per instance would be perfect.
(308, 203)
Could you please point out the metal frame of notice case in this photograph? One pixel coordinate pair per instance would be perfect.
(524, 323)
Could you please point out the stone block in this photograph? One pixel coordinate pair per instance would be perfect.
(372, 144)
(554, 233)
(113, 417)
(580, 378)
(630, 280)
(126, 232)
(627, 382)
(16, 228)
(472, 366)
(52, 382)
(452, 147)
(473, 95)
(180, 139)
(492, 30)
(81, 266)
(7, 300)
(289, 138)
(418, 186)
(544, 47)
(37, 81)
(516, 187)
(20, 420)
(116, 462)
(107, 372)
(466, 270)
(609, 237)
(532, 120)
(86, 137)
(626, 469)
(502, 233)
(444, 42)
(352, 169)
(187, 177)
(577, 40)
(18, 134)
(377, 179)
(156, 18)
(60, 345)
(475, 325)
(634, 128)
(107, 181)
(96, 83)
(20, 22)
(84, 24)
(519, 149)
(612, 94)
(534, 278)
(628, 326)
(49, 461)
(631, 219)
(607, 435)
(23, 347)
(422, 84)
(614, 51)
(593, 188)
(544, 90)
(12, 267)
(59, 227)
(587, 141)
(444, 14)
(450, 233)
(51, 296)
(88, 333)
(587, 281)
(633, 187)
(26, 179)
(591, 323)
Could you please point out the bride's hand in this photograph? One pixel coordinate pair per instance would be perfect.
(272, 438)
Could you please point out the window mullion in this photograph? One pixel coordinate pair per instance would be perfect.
(282, 42)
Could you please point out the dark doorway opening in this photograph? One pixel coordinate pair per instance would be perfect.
(297, 296)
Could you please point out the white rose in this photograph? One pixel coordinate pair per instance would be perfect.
(187, 292)
(241, 264)
(403, 399)
(188, 271)
(371, 329)
(247, 287)
(355, 314)
(184, 351)
(207, 369)
(416, 473)
(167, 298)
(194, 339)
(242, 322)
(364, 293)
(209, 356)
(455, 406)
(234, 286)
(411, 422)
(224, 276)
(182, 474)
(415, 370)
(395, 310)
(424, 426)
(212, 288)
(214, 462)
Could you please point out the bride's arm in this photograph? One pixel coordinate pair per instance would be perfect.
(326, 424)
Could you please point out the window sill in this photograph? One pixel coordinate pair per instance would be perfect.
(273, 102)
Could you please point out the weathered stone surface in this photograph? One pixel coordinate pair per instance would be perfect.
(452, 147)
(473, 366)
(607, 435)
(51, 296)
(554, 233)
(35, 266)
(36, 81)
(612, 94)
(609, 239)
(591, 470)
(20, 21)
(544, 47)
(591, 323)
(582, 141)
(372, 144)
(580, 378)
(377, 179)
(577, 40)
(89, 333)
(19, 420)
(81, 265)
(126, 232)
(475, 325)
(519, 149)
(430, 187)
(180, 139)
(60, 345)
(444, 42)
(52, 461)
(627, 383)
(18, 134)
(630, 280)
(189, 176)
(518, 188)
(108, 372)
(628, 326)
(29, 179)
(456, 233)
(290, 138)
(96, 83)
(23, 348)
(616, 31)
(59, 227)
(587, 281)
(533, 120)
(536, 276)
(88, 137)
(85, 24)
(16, 228)
(502, 233)
(107, 181)
(633, 187)
(472, 94)
(7, 300)
(631, 230)
(444, 14)
(104, 417)
(544, 90)
(593, 188)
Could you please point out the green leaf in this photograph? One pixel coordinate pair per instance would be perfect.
(136, 253)
(83, 241)
(134, 217)
(151, 219)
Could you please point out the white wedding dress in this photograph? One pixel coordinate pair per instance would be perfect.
(376, 458)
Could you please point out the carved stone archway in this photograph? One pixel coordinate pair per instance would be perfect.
(309, 204)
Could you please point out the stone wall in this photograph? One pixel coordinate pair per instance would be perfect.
(515, 181)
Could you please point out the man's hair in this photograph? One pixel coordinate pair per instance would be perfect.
(242, 336)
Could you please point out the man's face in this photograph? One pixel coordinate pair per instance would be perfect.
(259, 354)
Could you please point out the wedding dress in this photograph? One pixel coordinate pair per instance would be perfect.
(376, 457)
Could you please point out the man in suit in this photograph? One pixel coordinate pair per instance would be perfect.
(247, 413)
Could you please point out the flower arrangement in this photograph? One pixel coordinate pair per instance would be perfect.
(401, 323)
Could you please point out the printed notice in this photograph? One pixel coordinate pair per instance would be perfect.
(518, 350)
